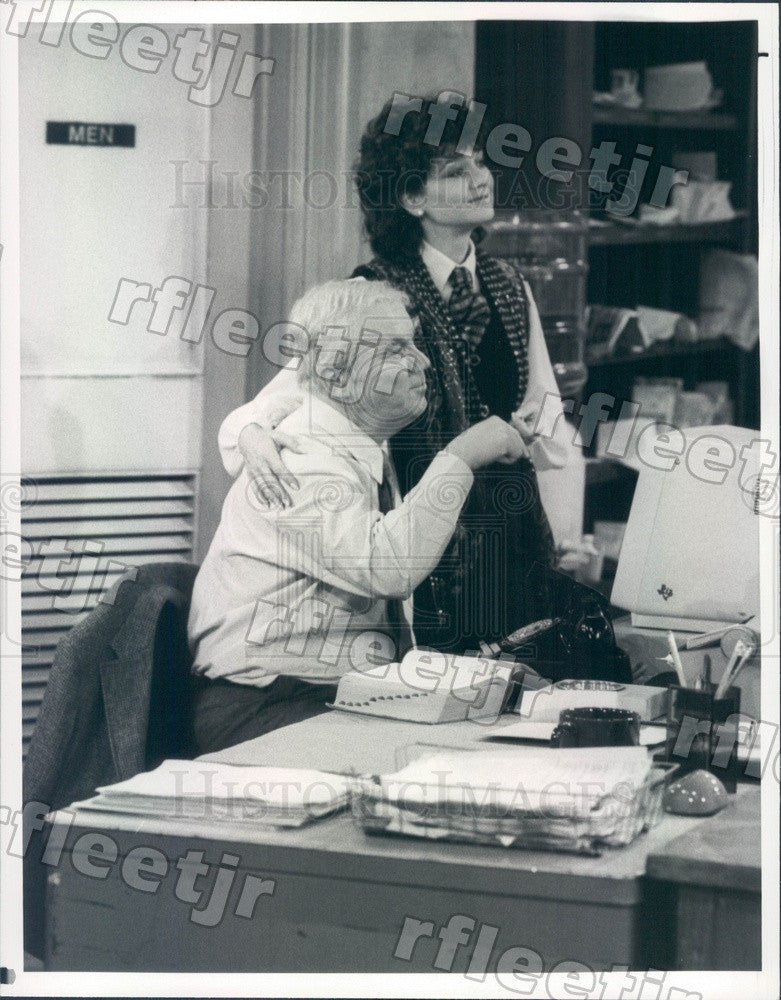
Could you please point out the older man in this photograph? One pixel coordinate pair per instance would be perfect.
(289, 600)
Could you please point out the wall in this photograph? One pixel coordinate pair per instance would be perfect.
(295, 202)
(232, 226)
(97, 395)
(331, 79)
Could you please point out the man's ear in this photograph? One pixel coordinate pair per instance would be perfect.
(334, 360)
(415, 204)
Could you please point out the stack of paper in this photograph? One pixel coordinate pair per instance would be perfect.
(205, 790)
(568, 800)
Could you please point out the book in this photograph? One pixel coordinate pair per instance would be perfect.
(694, 409)
(657, 397)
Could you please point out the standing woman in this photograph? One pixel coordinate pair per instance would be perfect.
(422, 203)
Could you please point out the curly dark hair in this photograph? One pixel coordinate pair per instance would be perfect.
(389, 166)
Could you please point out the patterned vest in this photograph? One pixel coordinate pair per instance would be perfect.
(470, 595)
(454, 402)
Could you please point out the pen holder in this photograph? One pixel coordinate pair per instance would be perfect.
(702, 731)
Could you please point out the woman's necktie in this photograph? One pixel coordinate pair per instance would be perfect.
(468, 308)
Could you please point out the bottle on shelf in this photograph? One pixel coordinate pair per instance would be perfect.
(550, 248)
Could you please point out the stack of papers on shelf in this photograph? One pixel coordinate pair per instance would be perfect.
(229, 793)
(564, 800)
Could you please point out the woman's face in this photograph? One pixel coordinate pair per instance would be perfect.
(458, 192)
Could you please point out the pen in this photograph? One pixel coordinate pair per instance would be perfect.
(740, 655)
(676, 659)
(706, 639)
(707, 665)
(728, 670)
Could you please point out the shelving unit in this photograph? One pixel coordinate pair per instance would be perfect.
(712, 121)
(665, 351)
(542, 75)
(643, 265)
(660, 267)
(621, 234)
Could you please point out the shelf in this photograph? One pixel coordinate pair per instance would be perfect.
(713, 121)
(667, 350)
(616, 234)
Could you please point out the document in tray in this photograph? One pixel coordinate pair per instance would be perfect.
(568, 782)
(530, 797)
(230, 793)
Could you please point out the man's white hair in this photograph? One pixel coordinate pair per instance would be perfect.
(344, 307)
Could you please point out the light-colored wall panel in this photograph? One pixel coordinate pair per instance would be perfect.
(92, 215)
(133, 424)
(233, 225)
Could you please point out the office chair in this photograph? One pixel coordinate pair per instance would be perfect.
(117, 702)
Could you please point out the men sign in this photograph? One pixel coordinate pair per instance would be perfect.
(89, 134)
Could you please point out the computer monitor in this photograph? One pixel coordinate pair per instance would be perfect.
(690, 555)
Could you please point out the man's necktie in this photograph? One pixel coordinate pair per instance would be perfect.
(385, 493)
(398, 629)
(468, 308)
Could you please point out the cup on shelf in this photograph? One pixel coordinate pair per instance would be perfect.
(597, 727)
(623, 87)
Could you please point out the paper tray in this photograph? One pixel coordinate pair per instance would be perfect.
(374, 813)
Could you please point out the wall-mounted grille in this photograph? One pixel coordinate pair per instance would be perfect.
(82, 533)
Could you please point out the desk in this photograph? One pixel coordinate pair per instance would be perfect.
(340, 897)
(715, 868)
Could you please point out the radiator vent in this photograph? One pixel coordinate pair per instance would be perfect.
(81, 534)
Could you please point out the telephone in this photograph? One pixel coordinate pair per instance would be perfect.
(574, 641)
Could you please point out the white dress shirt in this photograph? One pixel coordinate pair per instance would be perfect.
(548, 451)
(303, 591)
(440, 267)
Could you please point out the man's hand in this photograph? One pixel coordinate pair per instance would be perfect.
(492, 440)
(268, 474)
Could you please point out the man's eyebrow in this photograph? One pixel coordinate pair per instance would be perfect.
(397, 341)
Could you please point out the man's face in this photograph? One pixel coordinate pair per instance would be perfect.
(386, 386)
(459, 191)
